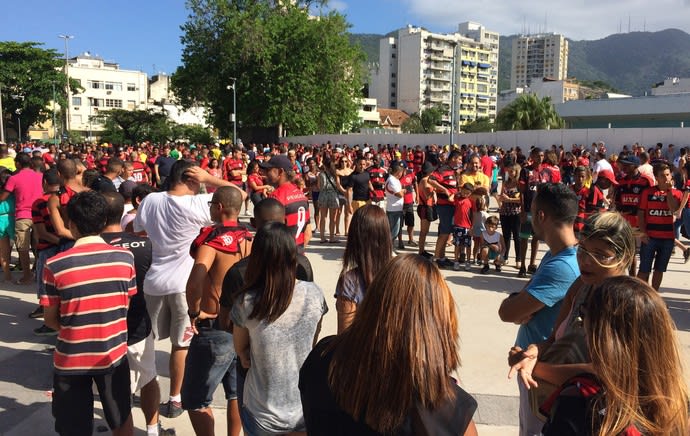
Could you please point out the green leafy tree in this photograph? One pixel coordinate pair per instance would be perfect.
(479, 125)
(128, 127)
(425, 122)
(529, 112)
(291, 71)
(28, 76)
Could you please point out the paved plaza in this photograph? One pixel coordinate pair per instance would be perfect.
(25, 359)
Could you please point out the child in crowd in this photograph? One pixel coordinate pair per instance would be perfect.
(479, 216)
(462, 222)
(492, 246)
(589, 198)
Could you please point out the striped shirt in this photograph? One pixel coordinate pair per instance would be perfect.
(657, 216)
(41, 215)
(91, 284)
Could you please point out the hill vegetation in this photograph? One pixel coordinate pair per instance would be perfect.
(630, 63)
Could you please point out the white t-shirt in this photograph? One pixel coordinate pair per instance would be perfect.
(601, 164)
(393, 202)
(171, 223)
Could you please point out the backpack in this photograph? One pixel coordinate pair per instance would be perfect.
(571, 408)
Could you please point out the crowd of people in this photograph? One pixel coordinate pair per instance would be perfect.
(137, 244)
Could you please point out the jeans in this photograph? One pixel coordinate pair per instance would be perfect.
(657, 250)
(42, 257)
(683, 221)
(395, 222)
(209, 362)
(510, 226)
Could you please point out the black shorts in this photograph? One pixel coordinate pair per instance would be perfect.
(408, 215)
(73, 400)
(427, 212)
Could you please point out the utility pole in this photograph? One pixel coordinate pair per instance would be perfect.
(66, 38)
(54, 125)
(2, 116)
(233, 118)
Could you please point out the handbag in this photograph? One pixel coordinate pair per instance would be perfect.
(569, 348)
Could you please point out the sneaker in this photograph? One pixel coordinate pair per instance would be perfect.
(401, 246)
(468, 266)
(498, 268)
(686, 255)
(445, 263)
(44, 330)
(165, 431)
(522, 272)
(532, 269)
(171, 409)
(37, 313)
(426, 254)
(485, 269)
(412, 244)
(479, 260)
(456, 266)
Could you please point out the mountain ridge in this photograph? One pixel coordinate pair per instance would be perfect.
(630, 62)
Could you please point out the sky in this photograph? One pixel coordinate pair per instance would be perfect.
(145, 34)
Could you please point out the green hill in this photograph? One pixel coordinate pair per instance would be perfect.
(629, 62)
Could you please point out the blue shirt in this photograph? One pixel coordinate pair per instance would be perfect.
(549, 285)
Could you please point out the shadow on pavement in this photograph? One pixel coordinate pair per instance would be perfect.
(504, 282)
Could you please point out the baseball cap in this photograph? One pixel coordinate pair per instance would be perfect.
(278, 161)
(630, 160)
(608, 175)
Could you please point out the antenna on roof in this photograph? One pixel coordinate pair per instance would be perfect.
(628, 23)
(546, 21)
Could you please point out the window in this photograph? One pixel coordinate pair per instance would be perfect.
(76, 101)
(96, 102)
(76, 119)
(393, 75)
(95, 84)
(393, 55)
(109, 102)
(131, 87)
(131, 104)
(113, 86)
(393, 94)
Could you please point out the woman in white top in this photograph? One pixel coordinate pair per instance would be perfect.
(276, 323)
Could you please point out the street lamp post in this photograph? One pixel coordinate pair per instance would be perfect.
(233, 118)
(2, 124)
(66, 38)
(54, 125)
(453, 84)
(19, 124)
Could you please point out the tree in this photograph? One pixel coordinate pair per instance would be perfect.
(479, 125)
(291, 70)
(128, 127)
(529, 112)
(425, 122)
(28, 74)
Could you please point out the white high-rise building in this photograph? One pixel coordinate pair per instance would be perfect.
(535, 57)
(418, 70)
(105, 86)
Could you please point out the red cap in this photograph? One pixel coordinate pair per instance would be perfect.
(608, 175)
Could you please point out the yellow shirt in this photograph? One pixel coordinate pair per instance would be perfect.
(8, 162)
(478, 179)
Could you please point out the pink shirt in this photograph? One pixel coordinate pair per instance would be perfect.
(27, 186)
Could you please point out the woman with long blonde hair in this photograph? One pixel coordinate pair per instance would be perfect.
(636, 362)
(389, 372)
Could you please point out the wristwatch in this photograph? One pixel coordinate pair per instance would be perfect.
(193, 314)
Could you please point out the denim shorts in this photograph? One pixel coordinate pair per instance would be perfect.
(657, 250)
(210, 361)
(445, 218)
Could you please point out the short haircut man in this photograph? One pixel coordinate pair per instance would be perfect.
(536, 306)
(92, 334)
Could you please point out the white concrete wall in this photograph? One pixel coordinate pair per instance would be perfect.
(614, 138)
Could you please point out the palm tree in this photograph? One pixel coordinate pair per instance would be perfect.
(529, 112)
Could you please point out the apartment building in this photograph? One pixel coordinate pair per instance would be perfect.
(537, 56)
(559, 91)
(418, 70)
(105, 86)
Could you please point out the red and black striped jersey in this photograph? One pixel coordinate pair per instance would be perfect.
(377, 177)
(628, 193)
(658, 217)
(445, 176)
(296, 209)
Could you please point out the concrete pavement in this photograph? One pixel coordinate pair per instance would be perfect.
(25, 369)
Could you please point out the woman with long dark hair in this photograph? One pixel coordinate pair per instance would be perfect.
(369, 248)
(276, 322)
(389, 372)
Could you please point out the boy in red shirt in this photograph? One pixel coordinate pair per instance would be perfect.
(462, 223)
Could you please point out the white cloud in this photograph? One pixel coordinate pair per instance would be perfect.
(583, 19)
